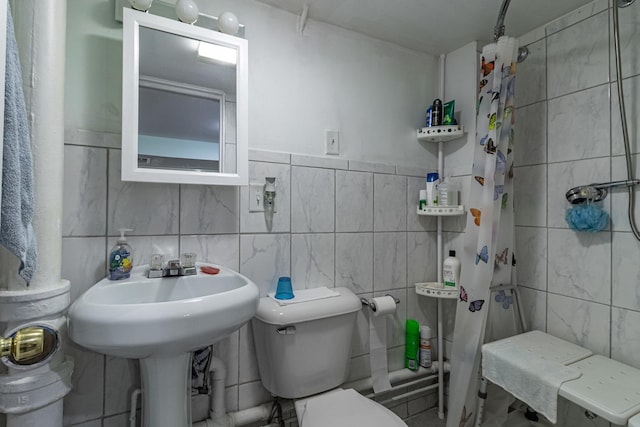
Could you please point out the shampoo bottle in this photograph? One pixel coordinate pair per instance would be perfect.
(451, 271)
(432, 188)
(121, 258)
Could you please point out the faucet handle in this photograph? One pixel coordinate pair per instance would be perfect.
(188, 259)
(188, 264)
(157, 262)
(155, 266)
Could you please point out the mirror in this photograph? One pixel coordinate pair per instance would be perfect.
(184, 112)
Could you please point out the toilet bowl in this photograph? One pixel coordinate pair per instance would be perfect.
(340, 407)
(303, 351)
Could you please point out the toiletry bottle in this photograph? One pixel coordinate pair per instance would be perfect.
(412, 345)
(422, 201)
(428, 116)
(432, 188)
(436, 113)
(443, 200)
(425, 346)
(448, 193)
(447, 113)
(451, 271)
(121, 258)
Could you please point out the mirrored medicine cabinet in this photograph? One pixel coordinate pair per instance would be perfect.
(184, 103)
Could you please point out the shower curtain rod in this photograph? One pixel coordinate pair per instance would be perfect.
(498, 30)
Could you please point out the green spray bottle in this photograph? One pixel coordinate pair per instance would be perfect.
(412, 345)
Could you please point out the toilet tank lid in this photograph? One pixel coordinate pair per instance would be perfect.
(269, 311)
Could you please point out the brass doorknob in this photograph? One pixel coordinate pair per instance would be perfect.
(29, 345)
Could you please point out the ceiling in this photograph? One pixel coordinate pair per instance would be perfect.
(431, 26)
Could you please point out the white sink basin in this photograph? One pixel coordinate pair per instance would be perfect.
(139, 317)
(160, 322)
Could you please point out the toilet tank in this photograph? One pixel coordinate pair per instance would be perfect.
(304, 348)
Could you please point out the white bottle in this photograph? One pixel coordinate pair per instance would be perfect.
(425, 346)
(451, 271)
(448, 193)
(432, 188)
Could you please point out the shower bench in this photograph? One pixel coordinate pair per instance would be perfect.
(605, 387)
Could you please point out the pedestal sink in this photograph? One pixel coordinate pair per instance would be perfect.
(161, 321)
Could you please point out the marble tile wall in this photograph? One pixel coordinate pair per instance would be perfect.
(338, 223)
(579, 286)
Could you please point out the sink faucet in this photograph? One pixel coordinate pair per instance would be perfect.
(174, 267)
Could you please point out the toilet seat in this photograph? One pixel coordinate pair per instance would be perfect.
(344, 408)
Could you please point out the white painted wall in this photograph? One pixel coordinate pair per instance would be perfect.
(375, 93)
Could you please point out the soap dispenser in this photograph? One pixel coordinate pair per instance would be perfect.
(121, 258)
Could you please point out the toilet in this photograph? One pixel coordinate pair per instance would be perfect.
(303, 351)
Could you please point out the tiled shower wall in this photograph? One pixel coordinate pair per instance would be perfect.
(583, 287)
(338, 223)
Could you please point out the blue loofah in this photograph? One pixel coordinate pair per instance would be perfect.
(589, 217)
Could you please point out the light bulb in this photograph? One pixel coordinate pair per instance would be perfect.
(228, 23)
(142, 5)
(187, 11)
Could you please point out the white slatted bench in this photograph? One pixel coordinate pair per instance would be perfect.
(607, 388)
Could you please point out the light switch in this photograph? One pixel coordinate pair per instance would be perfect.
(256, 196)
(332, 142)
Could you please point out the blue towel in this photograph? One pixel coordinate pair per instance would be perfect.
(16, 230)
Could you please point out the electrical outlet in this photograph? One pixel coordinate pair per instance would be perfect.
(332, 142)
(256, 196)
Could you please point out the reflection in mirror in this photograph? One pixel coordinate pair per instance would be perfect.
(181, 104)
(184, 103)
(178, 130)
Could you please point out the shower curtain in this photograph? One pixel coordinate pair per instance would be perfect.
(487, 256)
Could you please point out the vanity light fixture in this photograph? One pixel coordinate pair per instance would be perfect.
(216, 53)
(141, 5)
(228, 23)
(187, 11)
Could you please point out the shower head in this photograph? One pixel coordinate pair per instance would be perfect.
(586, 193)
(595, 192)
(624, 3)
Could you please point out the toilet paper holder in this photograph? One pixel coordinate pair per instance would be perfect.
(366, 302)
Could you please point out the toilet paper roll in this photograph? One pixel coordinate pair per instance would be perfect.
(383, 306)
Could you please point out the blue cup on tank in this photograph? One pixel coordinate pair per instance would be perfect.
(284, 289)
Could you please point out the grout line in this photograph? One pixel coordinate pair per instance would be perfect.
(546, 131)
(290, 214)
(105, 253)
(335, 226)
(180, 221)
(610, 228)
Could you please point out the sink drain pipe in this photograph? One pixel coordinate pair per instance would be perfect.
(218, 416)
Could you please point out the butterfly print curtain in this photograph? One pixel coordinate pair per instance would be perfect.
(489, 234)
